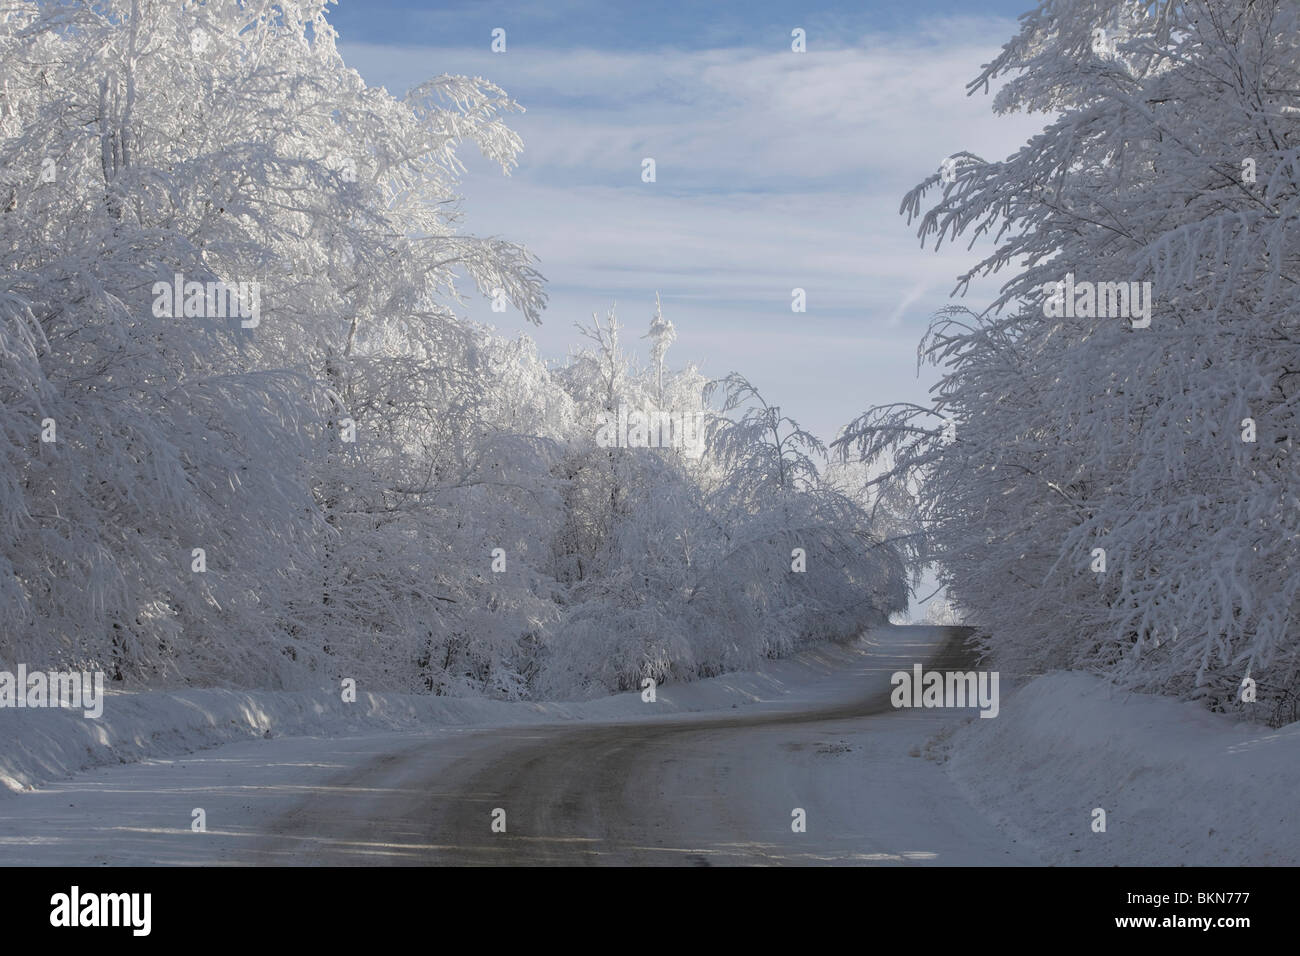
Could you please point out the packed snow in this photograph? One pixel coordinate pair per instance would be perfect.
(1179, 786)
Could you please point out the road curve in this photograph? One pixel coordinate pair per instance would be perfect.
(676, 790)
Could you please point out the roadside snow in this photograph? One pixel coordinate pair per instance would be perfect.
(42, 745)
(1179, 785)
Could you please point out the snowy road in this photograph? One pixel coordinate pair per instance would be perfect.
(688, 790)
(715, 788)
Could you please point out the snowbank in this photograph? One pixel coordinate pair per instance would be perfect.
(1179, 785)
(40, 745)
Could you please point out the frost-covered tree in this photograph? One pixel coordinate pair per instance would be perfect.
(813, 565)
(1104, 489)
(762, 450)
(332, 474)
(661, 336)
(680, 566)
(941, 611)
(227, 141)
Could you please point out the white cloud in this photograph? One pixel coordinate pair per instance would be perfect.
(775, 170)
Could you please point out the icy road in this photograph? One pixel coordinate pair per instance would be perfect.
(713, 787)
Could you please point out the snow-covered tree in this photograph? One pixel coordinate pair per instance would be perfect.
(941, 611)
(327, 472)
(662, 334)
(1109, 486)
(225, 141)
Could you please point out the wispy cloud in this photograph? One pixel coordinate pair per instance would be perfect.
(775, 170)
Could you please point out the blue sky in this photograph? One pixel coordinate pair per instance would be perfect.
(775, 170)
(693, 25)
